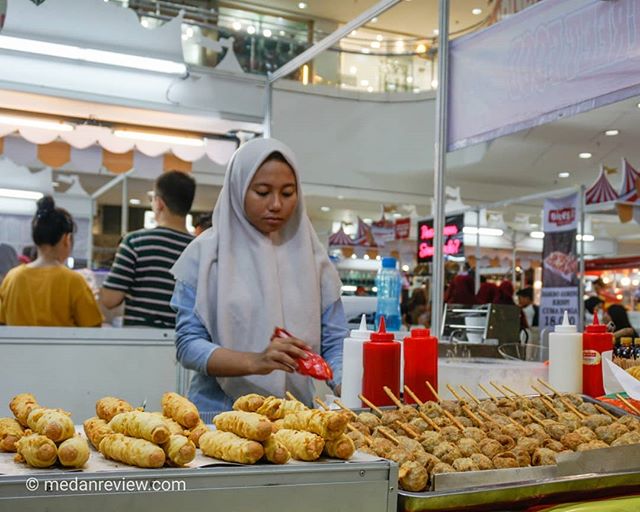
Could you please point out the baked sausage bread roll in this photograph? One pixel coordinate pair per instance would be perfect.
(21, 406)
(180, 409)
(248, 403)
(275, 452)
(197, 431)
(179, 450)
(228, 446)
(249, 425)
(142, 425)
(277, 408)
(53, 423)
(132, 451)
(73, 452)
(109, 406)
(326, 424)
(173, 426)
(341, 448)
(302, 445)
(96, 429)
(10, 432)
(36, 450)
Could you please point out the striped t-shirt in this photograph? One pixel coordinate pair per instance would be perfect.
(141, 270)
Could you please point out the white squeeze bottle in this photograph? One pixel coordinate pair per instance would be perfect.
(352, 368)
(565, 357)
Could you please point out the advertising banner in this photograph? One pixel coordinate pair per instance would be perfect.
(453, 238)
(553, 60)
(560, 285)
(403, 228)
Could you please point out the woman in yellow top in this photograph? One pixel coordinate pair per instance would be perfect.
(45, 292)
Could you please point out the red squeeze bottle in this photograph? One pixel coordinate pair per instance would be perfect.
(381, 366)
(420, 364)
(595, 341)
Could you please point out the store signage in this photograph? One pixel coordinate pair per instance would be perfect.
(552, 60)
(559, 262)
(403, 228)
(453, 238)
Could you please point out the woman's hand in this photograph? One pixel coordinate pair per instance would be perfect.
(281, 354)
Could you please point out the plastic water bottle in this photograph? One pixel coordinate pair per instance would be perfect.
(389, 284)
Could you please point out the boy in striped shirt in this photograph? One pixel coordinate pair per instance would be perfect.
(140, 272)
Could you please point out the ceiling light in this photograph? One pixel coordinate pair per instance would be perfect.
(365, 50)
(341, 198)
(33, 122)
(416, 90)
(586, 238)
(564, 174)
(302, 5)
(476, 11)
(434, 83)
(20, 194)
(354, 32)
(353, 70)
(349, 287)
(585, 155)
(367, 221)
(364, 83)
(436, 32)
(237, 25)
(92, 55)
(537, 234)
(635, 282)
(157, 137)
(470, 230)
(605, 280)
(281, 32)
(619, 296)
(612, 133)
(366, 256)
(399, 44)
(369, 89)
(134, 201)
(374, 20)
(375, 44)
(625, 281)
(405, 268)
(379, 37)
(421, 48)
(251, 29)
(353, 256)
(266, 32)
(397, 215)
(378, 258)
(325, 209)
(409, 79)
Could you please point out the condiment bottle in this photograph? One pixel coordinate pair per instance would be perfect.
(595, 341)
(626, 348)
(565, 357)
(420, 364)
(381, 361)
(352, 364)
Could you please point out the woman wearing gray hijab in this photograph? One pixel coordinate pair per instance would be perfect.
(258, 267)
(8, 259)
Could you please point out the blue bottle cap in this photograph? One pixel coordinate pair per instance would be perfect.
(389, 263)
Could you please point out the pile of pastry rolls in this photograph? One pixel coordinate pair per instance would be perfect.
(40, 436)
(276, 430)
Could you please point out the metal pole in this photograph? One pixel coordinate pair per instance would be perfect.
(268, 105)
(477, 276)
(90, 234)
(580, 322)
(440, 154)
(124, 224)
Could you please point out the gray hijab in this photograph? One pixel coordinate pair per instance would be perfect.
(8, 259)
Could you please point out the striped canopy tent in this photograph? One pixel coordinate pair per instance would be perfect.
(92, 148)
(629, 187)
(364, 236)
(340, 238)
(601, 191)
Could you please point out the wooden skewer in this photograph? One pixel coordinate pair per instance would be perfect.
(472, 416)
(515, 423)
(368, 439)
(393, 397)
(407, 428)
(564, 401)
(409, 392)
(320, 403)
(499, 390)
(628, 404)
(468, 392)
(433, 391)
(549, 405)
(488, 393)
(426, 418)
(385, 432)
(373, 407)
(515, 393)
(453, 392)
(290, 396)
(344, 407)
(535, 418)
(602, 410)
(487, 417)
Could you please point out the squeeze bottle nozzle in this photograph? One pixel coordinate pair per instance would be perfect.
(566, 326)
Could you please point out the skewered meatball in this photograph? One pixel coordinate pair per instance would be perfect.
(441, 421)
(506, 442)
(442, 467)
(408, 412)
(489, 407)
(592, 445)
(587, 433)
(399, 455)
(529, 444)
(588, 409)
(511, 430)
(390, 417)
(464, 464)
(557, 430)
(468, 447)
(430, 439)
(630, 422)
(610, 433)
(521, 417)
(553, 445)
(382, 446)
(369, 419)
(413, 477)
(632, 437)
(426, 459)
(570, 420)
(368, 450)
(451, 434)
(466, 422)
(490, 447)
(431, 409)
(505, 460)
(361, 427)
(443, 448)
(543, 457)
(596, 420)
(572, 440)
(450, 455)
(474, 433)
(575, 400)
(409, 444)
(522, 456)
(419, 424)
(536, 431)
(482, 461)
(357, 438)
(501, 420)
(452, 406)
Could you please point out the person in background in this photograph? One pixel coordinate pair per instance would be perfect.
(593, 305)
(487, 292)
(8, 259)
(203, 222)
(530, 311)
(505, 293)
(29, 254)
(461, 290)
(621, 326)
(260, 266)
(140, 275)
(45, 292)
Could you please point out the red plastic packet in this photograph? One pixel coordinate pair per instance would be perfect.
(314, 366)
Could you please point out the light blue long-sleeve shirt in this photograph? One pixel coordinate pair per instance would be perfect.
(194, 347)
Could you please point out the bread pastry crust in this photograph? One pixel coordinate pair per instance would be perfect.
(302, 445)
(228, 446)
(36, 450)
(10, 432)
(53, 423)
(248, 403)
(142, 425)
(96, 429)
(21, 406)
(341, 448)
(197, 431)
(327, 424)
(132, 451)
(109, 406)
(180, 409)
(249, 425)
(179, 450)
(275, 452)
(74, 452)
